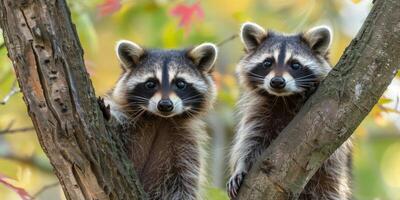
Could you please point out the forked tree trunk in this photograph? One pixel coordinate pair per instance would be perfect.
(88, 154)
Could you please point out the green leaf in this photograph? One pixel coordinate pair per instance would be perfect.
(215, 194)
(384, 100)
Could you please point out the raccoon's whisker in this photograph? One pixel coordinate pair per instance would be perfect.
(286, 105)
(304, 81)
(255, 75)
(135, 102)
(308, 79)
(137, 114)
(134, 113)
(305, 86)
(305, 76)
(257, 79)
(275, 100)
(191, 97)
(138, 100)
(137, 97)
(194, 100)
(124, 106)
(138, 111)
(192, 113)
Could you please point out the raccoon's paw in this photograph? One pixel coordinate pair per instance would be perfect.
(234, 184)
(105, 109)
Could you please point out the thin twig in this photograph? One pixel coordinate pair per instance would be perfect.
(388, 110)
(43, 189)
(228, 39)
(13, 90)
(17, 130)
(34, 161)
(8, 129)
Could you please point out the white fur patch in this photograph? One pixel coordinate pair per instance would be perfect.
(197, 82)
(318, 69)
(289, 89)
(153, 102)
(134, 80)
(178, 104)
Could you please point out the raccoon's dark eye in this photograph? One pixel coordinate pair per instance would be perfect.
(181, 84)
(150, 84)
(295, 65)
(268, 62)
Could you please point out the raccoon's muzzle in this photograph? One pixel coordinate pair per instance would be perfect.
(165, 105)
(278, 82)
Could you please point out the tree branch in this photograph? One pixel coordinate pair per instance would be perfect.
(331, 115)
(13, 90)
(33, 161)
(226, 40)
(17, 130)
(43, 189)
(87, 153)
(9, 130)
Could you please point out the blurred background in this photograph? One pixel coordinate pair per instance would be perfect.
(25, 170)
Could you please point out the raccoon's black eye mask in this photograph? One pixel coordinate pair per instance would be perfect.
(295, 64)
(151, 84)
(268, 62)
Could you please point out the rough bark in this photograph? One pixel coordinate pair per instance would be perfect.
(331, 115)
(86, 152)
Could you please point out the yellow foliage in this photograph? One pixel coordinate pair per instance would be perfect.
(356, 1)
(229, 7)
(171, 35)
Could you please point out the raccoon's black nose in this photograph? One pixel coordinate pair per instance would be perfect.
(165, 105)
(278, 82)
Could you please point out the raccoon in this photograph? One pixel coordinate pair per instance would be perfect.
(278, 73)
(160, 97)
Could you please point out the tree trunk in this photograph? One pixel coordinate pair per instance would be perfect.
(86, 152)
(331, 115)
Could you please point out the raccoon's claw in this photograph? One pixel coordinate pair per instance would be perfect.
(234, 184)
(105, 109)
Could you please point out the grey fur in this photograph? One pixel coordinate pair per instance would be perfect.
(263, 115)
(166, 150)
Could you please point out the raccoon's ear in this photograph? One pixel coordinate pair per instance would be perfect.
(319, 39)
(128, 53)
(204, 56)
(252, 35)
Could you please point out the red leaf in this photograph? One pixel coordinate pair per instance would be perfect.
(108, 7)
(23, 194)
(186, 13)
